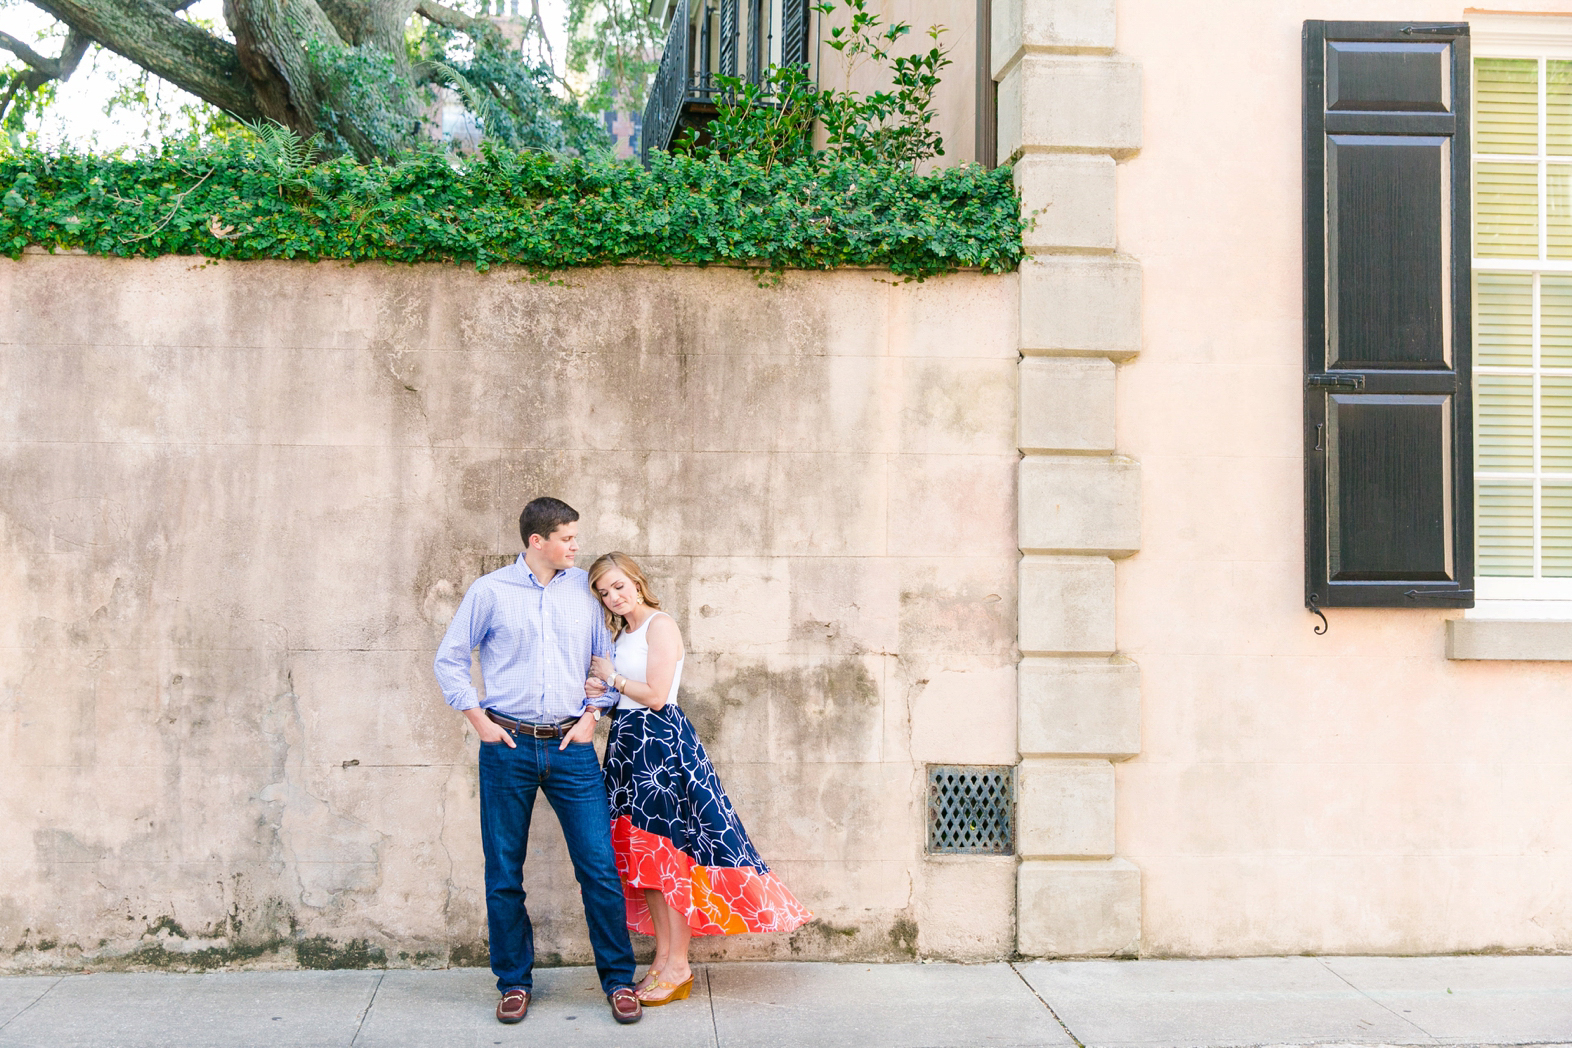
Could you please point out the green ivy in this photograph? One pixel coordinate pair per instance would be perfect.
(239, 200)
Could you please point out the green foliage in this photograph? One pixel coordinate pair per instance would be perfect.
(773, 121)
(159, 108)
(250, 198)
(366, 100)
(619, 42)
(281, 152)
(512, 99)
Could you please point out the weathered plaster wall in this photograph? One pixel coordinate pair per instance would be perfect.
(238, 503)
(1355, 792)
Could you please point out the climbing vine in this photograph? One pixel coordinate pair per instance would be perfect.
(251, 198)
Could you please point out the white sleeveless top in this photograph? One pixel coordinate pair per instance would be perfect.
(632, 658)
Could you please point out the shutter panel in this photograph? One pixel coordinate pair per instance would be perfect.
(794, 32)
(1388, 423)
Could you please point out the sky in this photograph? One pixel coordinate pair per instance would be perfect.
(77, 117)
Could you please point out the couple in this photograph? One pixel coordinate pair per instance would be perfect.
(666, 856)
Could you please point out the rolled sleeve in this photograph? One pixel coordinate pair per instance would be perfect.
(602, 644)
(465, 632)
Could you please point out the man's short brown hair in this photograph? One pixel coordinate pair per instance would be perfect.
(543, 516)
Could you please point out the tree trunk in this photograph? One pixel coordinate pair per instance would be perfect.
(149, 34)
(338, 67)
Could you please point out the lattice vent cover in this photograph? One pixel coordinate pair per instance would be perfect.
(971, 809)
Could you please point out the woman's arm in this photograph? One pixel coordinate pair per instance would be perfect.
(665, 641)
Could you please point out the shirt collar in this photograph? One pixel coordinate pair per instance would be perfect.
(526, 574)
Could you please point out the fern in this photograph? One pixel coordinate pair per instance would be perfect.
(475, 100)
(282, 150)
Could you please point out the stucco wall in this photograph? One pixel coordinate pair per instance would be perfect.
(1355, 792)
(240, 501)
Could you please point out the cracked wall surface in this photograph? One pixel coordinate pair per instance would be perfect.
(239, 502)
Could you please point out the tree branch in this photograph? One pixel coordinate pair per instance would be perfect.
(43, 68)
(148, 33)
(28, 55)
(432, 11)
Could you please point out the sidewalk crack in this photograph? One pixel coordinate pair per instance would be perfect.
(47, 991)
(1360, 991)
(363, 1015)
(1044, 1002)
(709, 993)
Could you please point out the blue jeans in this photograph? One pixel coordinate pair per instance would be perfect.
(571, 780)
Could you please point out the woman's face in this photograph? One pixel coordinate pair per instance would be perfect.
(617, 592)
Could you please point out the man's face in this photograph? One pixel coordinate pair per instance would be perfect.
(561, 548)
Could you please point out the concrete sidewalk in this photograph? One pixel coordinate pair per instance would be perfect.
(1259, 1001)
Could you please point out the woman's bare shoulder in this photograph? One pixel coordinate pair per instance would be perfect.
(663, 630)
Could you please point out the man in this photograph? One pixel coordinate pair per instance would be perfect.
(537, 623)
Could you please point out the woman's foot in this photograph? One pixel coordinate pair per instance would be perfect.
(651, 977)
(667, 990)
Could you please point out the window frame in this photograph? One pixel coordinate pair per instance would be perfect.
(1545, 37)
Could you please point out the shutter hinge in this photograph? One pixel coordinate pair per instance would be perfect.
(1448, 29)
(1335, 381)
(1416, 594)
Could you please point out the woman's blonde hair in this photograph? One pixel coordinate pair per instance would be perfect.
(625, 564)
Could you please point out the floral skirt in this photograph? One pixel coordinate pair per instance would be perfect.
(675, 831)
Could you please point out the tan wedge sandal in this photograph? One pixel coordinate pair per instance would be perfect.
(666, 992)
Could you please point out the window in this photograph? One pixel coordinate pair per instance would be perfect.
(1522, 272)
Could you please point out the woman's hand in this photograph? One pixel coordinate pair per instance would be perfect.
(601, 667)
(594, 688)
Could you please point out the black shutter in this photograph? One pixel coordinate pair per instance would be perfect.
(794, 32)
(1388, 424)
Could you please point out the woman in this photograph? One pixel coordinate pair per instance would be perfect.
(687, 865)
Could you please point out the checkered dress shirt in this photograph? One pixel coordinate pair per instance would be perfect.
(535, 645)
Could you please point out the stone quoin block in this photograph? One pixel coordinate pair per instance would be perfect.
(1082, 707)
(1068, 200)
(1072, 104)
(1067, 404)
(1066, 605)
(1049, 25)
(1064, 809)
(1083, 305)
(1081, 505)
(1078, 909)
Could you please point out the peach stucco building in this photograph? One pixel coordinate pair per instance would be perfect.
(996, 588)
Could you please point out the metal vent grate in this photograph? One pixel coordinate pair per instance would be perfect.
(971, 810)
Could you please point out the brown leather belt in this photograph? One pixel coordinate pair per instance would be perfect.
(534, 731)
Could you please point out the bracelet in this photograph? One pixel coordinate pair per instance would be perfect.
(615, 677)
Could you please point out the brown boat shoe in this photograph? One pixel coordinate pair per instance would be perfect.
(625, 1006)
(512, 1007)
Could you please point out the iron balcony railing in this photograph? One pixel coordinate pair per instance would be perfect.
(698, 49)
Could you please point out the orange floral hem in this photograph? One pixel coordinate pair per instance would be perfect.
(718, 900)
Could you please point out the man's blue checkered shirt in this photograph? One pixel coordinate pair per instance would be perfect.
(535, 645)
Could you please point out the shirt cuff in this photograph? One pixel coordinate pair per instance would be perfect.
(468, 699)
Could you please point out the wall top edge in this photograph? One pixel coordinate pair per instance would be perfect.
(509, 267)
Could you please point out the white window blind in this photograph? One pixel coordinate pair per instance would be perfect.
(1523, 328)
